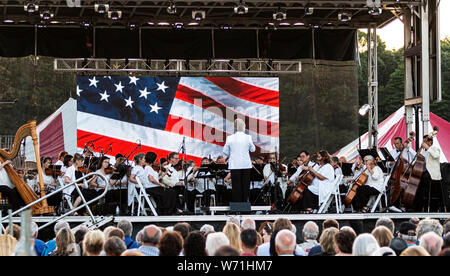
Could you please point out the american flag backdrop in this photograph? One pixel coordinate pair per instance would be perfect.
(158, 112)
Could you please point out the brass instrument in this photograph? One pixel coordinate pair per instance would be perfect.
(27, 194)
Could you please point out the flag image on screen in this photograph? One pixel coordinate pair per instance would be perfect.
(119, 113)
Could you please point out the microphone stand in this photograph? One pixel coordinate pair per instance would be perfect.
(184, 168)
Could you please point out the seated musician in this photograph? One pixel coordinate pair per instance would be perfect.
(324, 177)
(8, 189)
(223, 188)
(373, 186)
(50, 183)
(61, 156)
(165, 198)
(204, 186)
(255, 186)
(97, 183)
(336, 166)
(401, 149)
(304, 160)
(71, 175)
(136, 171)
(174, 177)
(293, 166)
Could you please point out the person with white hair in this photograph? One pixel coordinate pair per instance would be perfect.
(38, 244)
(285, 243)
(432, 243)
(429, 225)
(206, 228)
(248, 224)
(310, 234)
(50, 246)
(374, 185)
(237, 148)
(384, 251)
(214, 241)
(364, 245)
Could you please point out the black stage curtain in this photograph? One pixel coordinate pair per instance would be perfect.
(285, 44)
(64, 42)
(445, 173)
(16, 42)
(116, 43)
(182, 44)
(337, 45)
(226, 42)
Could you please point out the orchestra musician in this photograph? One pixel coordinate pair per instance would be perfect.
(304, 159)
(8, 189)
(334, 161)
(237, 148)
(50, 183)
(61, 156)
(324, 177)
(174, 177)
(431, 182)
(373, 186)
(136, 171)
(203, 186)
(71, 175)
(255, 186)
(401, 150)
(223, 188)
(165, 197)
(97, 183)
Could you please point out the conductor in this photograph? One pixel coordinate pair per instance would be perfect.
(237, 148)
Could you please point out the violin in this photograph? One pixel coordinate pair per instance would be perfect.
(110, 170)
(52, 172)
(84, 170)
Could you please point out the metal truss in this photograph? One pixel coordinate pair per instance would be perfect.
(180, 67)
(372, 66)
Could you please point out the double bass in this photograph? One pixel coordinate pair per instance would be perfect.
(410, 180)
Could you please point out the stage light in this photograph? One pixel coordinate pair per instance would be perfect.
(47, 15)
(279, 15)
(115, 15)
(31, 7)
(101, 8)
(131, 26)
(172, 8)
(364, 109)
(178, 25)
(241, 8)
(85, 24)
(198, 15)
(344, 16)
(374, 7)
(225, 27)
(309, 10)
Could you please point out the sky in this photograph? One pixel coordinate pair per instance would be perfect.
(392, 34)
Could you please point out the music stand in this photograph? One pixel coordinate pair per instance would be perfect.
(387, 155)
(347, 169)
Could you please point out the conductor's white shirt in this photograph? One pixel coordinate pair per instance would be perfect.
(237, 148)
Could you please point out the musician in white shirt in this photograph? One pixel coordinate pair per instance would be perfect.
(175, 178)
(70, 176)
(407, 154)
(238, 147)
(136, 171)
(7, 188)
(61, 156)
(373, 186)
(304, 161)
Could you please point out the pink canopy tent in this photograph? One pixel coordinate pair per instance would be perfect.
(395, 126)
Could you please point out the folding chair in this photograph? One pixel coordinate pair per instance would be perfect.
(377, 199)
(142, 197)
(333, 194)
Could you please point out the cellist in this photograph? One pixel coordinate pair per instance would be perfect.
(401, 150)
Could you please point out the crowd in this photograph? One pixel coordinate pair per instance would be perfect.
(426, 237)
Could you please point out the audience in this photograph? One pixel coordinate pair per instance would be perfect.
(385, 221)
(285, 243)
(407, 232)
(38, 244)
(170, 244)
(126, 226)
(248, 224)
(429, 225)
(310, 233)
(383, 252)
(114, 246)
(398, 245)
(226, 251)
(65, 244)
(214, 241)
(265, 230)
(431, 242)
(233, 233)
(249, 240)
(116, 232)
(50, 246)
(415, 251)
(183, 228)
(93, 243)
(150, 239)
(327, 242)
(343, 242)
(316, 250)
(383, 235)
(206, 228)
(195, 245)
(364, 245)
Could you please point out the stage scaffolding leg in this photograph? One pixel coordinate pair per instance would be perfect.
(372, 66)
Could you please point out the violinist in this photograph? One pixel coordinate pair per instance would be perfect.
(70, 176)
(97, 183)
(373, 186)
(174, 178)
(336, 166)
(136, 171)
(324, 177)
(223, 188)
(50, 183)
(61, 156)
(201, 186)
(165, 198)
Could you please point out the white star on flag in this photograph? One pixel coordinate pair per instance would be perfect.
(93, 82)
(144, 93)
(162, 86)
(105, 96)
(133, 80)
(79, 90)
(129, 102)
(155, 108)
(119, 87)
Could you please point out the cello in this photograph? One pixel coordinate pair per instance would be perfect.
(362, 179)
(410, 180)
(305, 179)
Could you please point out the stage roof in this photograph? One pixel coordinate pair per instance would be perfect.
(218, 13)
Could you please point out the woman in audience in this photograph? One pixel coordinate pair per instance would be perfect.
(195, 245)
(364, 245)
(93, 243)
(65, 244)
(383, 236)
(233, 233)
(327, 242)
(343, 242)
(170, 244)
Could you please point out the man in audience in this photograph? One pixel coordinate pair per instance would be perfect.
(310, 234)
(126, 226)
(249, 239)
(285, 243)
(407, 232)
(429, 225)
(38, 244)
(183, 228)
(226, 251)
(343, 242)
(385, 221)
(398, 245)
(432, 243)
(114, 246)
(150, 239)
(248, 224)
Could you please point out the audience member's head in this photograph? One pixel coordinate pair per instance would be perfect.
(398, 245)
(266, 230)
(206, 228)
(330, 223)
(310, 231)
(327, 240)
(226, 251)
(446, 226)
(383, 235)
(364, 245)
(214, 241)
(249, 239)
(415, 251)
(233, 233)
(248, 224)
(93, 243)
(16, 231)
(234, 219)
(384, 251)
(170, 244)
(151, 235)
(116, 232)
(107, 230)
(80, 233)
(34, 230)
(183, 228)
(114, 246)
(126, 226)
(446, 241)
(59, 225)
(344, 241)
(431, 242)
(65, 243)
(132, 253)
(407, 231)
(195, 245)
(385, 221)
(429, 225)
(285, 242)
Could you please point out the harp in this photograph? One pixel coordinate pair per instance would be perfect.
(27, 194)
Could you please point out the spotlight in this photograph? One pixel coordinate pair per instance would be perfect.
(178, 25)
(364, 109)
(241, 8)
(344, 16)
(198, 15)
(225, 27)
(31, 7)
(279, 15)
(131, 26)
(375, 11)
(47, 15)
(172, 8)
(309, 10)
(85, 24)
(115, 15)
(374, 7)
(101, 8)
